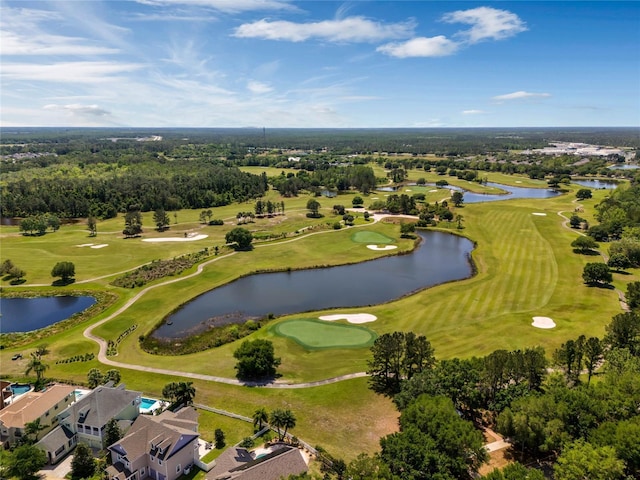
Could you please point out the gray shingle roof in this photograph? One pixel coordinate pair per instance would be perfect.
(101, 405)
(280, 463)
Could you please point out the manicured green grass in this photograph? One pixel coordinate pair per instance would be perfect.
(314, 334)
(366, 236)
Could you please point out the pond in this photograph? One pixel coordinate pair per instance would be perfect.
(27, 314)
(597, 184)
(440, 257)
(626, 166)
(511, 193)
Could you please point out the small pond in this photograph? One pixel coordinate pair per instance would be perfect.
(27, 314)
(597, 184)
(440, 257)
(626, 166)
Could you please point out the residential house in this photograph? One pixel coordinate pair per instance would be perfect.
(160, 447)
(237, 463)
(85, 420)
(40, 406)
(5, 393)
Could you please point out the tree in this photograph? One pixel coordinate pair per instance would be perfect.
(24, 462)
(260, 416)
(406, 229)
(364, 467)
(582, 460)
(339, 209)
(6, 267)
(161, 219)
(282, 420)
(584, 244)
(397, 356)
(53, 222)
(619, 261)
(624, 332)
(92, 226)
(132, 222)
(357, 201)
(633, 294)
(575, 221)
(33, 428)
(112, 375)
(65, 270)
(185, 393)
(112, 432)
(583, 194)
(94, 378)
(314, 208)
(219, 439)
(515, 471)
(37, 366)
(83, 465)
(256, 360)
(457, 198)
(240, 238)
(596, 273)
(593, 353)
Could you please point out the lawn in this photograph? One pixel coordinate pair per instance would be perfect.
(526, 267)
(314, 334)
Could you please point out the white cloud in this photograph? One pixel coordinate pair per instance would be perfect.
(473, 112)
(88, 110)
(258, 87)
(439, 46)
(66, 72)
(351, 29)
(42, 44)
(519, 96)
(229, 6)
(487, 23)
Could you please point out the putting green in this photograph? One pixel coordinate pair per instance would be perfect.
(364, 236)
(315, 334)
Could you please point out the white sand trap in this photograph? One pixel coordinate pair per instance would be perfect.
(539, 214)
(434, 190)
(374, 198)
(85, 245)
(385, 247)
(518, 181)
(100, 246)
(351, 318)
(176, 239)
(407, 190)
(543, 322)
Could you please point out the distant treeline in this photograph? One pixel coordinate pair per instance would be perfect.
(151, 185)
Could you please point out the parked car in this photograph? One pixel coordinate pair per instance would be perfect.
(17, 356)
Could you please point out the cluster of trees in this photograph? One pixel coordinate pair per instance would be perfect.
(590, 429)
(38, 224)
(65, 270)
(268, 208)
(239, 238)
(103, 191)
(618, 215)
(326, 176)
(11, 271)
(95, 377)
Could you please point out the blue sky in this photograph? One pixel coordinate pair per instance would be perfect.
(279, 63)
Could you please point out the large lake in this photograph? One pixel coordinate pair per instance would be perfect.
(27, 314)
(440, 257)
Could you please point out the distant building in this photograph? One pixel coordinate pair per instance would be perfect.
(237, 463)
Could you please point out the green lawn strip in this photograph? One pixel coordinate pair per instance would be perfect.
(367, 236)
(234, 430)
(318, 334)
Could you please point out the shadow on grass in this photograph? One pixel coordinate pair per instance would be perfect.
(18, 281)
(605, 286)
(62, 282)
(589, 253)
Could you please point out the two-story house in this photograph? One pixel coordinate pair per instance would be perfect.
(160, 447)
(85, 420)
(42, 406)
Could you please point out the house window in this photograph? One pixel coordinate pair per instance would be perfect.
(178, 468)
(142, 472)
(47, 413)
(159, 462)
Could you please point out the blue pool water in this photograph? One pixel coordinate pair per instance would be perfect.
(18, 389)
(147, 403)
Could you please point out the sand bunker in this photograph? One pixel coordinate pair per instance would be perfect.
(539, 214)
(518, 181)
(176, 239)
(543, 322)
(85, 245)
(434, 190)
(100, 246)
(351, 318)
(384, 247)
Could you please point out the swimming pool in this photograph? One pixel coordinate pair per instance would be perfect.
(148, 405)
(19, 389)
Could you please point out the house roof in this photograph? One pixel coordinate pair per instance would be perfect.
(151, 433)
(55, 438)
(33, 405)
(280, 463)
(101, 405)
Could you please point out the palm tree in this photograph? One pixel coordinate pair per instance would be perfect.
(288, 421)
(260, 416)
(36, 365)
(185, 391)
(33, 428)
(276, 419)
